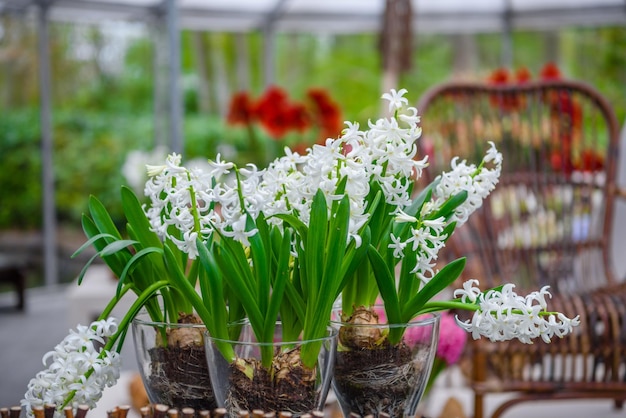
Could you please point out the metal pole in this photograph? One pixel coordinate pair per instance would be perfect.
(47, 179)
(269, 65)
(176, 110)
(269, 42)
(507, 36)
(160, 71)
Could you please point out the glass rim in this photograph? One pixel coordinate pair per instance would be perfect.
(139, 319)
(432, 319)
(332, 333)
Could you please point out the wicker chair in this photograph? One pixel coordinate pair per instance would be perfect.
(549, 222)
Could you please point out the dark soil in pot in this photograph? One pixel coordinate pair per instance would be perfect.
(180, 377)
(375, 380)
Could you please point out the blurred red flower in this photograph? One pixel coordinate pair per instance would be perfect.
(550, 72)
(499, 76)
(241, 109)
(325, 113)
(590, 161)
(523, 75)
(298, 117)
(278, 115)
(272, 112)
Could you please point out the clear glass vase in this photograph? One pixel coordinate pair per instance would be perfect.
(271, 376)
(383, 368)
(172, 363)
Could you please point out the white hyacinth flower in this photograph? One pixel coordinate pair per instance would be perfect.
(504, 315)
(78, 365)
(396, 99)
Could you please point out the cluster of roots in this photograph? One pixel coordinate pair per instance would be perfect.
(179, 373)
(287, 386)
(371, 375)
(375, 380)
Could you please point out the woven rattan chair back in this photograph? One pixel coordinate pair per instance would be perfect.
(549, 222)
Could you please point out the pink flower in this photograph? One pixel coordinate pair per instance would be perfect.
(452, 339)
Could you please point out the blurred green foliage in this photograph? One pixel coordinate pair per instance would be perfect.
(89, 151)
(20, 199)
(100, 114)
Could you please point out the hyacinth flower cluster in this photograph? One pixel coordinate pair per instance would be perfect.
(374, 170)
(408, 228)
(339, 222)
(78, 369)
(503, 315)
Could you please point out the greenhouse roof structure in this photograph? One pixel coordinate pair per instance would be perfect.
(340, 16)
